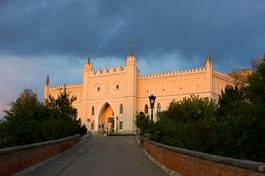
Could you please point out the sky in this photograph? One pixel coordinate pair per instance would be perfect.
(56, 37)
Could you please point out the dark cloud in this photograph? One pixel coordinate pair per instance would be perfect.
(231, 30)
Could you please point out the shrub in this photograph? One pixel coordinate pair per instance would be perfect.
(30, 121)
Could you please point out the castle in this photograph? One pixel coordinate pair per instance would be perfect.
(109, 99)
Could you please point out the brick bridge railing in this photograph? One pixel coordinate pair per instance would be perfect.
(190, 163)
(15, 159)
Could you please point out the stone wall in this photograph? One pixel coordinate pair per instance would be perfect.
(15, 159)
(190, 163)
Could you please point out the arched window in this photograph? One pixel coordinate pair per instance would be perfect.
(93, 110)
(121, 108)
(158, 109)
(146, 109)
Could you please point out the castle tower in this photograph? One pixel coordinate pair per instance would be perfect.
(131, 75)
(87, 70)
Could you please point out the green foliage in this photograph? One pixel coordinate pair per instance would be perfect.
(234, 126)
(256, 89)
(144, 123)
(30, 121)
(241, 119)
(188, 123)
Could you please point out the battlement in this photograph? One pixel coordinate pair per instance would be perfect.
(173, 73)
(77, 85)
(105, 71)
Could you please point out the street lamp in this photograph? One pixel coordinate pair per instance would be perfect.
(152, 100)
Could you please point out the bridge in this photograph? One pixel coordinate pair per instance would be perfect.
(100, 156)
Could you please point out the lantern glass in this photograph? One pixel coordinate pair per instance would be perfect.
(152, 100)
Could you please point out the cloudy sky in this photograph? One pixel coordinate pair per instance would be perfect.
(40, 37)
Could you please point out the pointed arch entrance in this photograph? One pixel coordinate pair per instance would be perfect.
(106, 120)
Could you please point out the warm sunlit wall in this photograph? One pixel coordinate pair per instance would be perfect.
(116, 86)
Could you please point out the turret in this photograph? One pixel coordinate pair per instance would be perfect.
(209, 72)
(131, 82)
(47, 82)
(46, 87)
(209, 62)
(88, 68)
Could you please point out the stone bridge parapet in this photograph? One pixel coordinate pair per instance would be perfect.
(15, 159)
(188, 163)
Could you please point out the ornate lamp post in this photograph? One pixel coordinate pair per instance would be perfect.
(152, 100)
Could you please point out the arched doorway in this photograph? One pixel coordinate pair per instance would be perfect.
(106, 120)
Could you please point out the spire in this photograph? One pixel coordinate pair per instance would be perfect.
(209, 58)
(89, 56)
(131, 46)
(47, 80)
(88, 60)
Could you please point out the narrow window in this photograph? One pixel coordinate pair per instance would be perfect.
(158, 109)
(92, 125)
(121, 124)
(146, 109)
(121, 108)
(93, 110)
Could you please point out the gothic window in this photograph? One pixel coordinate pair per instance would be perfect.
(121, 124)
(93, 110)
(146, 109)
(158, 109)
(121, 108)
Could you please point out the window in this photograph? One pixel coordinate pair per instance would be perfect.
(146, 109)
(92, 125)
(121, 124)
(117, 86)
(158, 109)
(93, 110)
(121, 108)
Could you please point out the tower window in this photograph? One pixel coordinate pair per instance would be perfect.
(146, 109)
(121, 108)
(92, 125)
(158, 109)
(121, 124)
(117, 86)
(93, 110)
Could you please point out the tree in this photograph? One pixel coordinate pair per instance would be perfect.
(188, 123)
(229, 102)
(143, 123)
(256, 89)
(30, 121)
(64, 117)
(62, 107)
(23, 120)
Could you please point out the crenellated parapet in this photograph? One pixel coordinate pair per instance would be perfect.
(173, 73)
(106, 71)
(77, 85)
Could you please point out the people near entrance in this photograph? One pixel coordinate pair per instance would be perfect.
(107, 128)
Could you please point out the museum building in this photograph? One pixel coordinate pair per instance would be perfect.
(109, 99)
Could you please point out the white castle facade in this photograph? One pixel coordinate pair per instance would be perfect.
(109, 99)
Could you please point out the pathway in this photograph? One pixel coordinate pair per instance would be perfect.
(101, 156)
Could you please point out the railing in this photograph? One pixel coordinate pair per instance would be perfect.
(15, 159)
(189, 163)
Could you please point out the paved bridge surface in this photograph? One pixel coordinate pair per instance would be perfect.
(101, 156)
